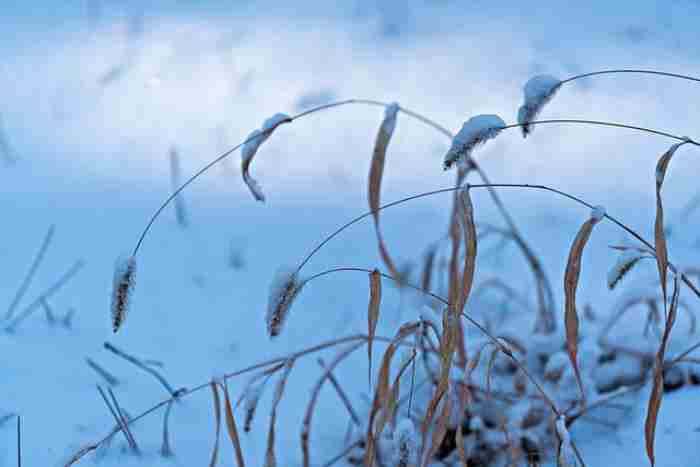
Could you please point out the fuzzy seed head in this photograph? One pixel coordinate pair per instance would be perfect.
(122, 286)
(625, 262)
(538, 91)
(475, 131)
(284, 289)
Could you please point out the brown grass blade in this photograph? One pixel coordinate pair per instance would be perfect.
(381, 393)
(375, 298)
(571, 279)
(232, 430)
(391, 402)
(439, 431)
(376, 173)
(270, 458)
(217, 416)
(450, 324)
(470, 245)
(659, 234)
(658, 376)
(460, 447)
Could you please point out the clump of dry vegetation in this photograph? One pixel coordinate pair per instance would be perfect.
(460, 385)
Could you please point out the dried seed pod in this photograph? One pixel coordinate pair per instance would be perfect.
(538, 91)
(123, 286)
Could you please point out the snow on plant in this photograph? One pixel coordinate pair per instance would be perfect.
(538, 92)
(474, 132)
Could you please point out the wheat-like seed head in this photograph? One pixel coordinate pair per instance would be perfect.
(123, 284)
(625, 262)
(475, 131)
(538, 92)
(283, 291)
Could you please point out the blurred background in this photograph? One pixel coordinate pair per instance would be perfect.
(95, 94)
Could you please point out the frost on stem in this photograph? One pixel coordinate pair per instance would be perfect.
(251, 146)
(389, 123)
(598, 213)
(123, 284)
(283, 290)
(538, 92)
(475, 131)
(625, 262)
(406, 440)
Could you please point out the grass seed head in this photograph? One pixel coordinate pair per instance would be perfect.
(123, 285)
(283, 291)
(475, 131)
(538, 91)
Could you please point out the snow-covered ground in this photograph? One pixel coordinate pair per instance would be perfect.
(93, 103)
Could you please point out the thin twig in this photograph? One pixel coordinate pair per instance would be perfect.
(342, 454)
(30, 274)
(341, 393)
(108, 377)
(122, 415)
(118, 419)
(647, 72)
(44, 296)
(140, 364)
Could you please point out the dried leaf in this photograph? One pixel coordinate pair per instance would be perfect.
(659, 233)
(391, 402)
(217, 416)
(232, 430)
(658, 376)
(460, 447)
(448, 343)
(375, 298)
(382, 390)
(439, 431)
(571, 279)
(470, 246)
(376, 173)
